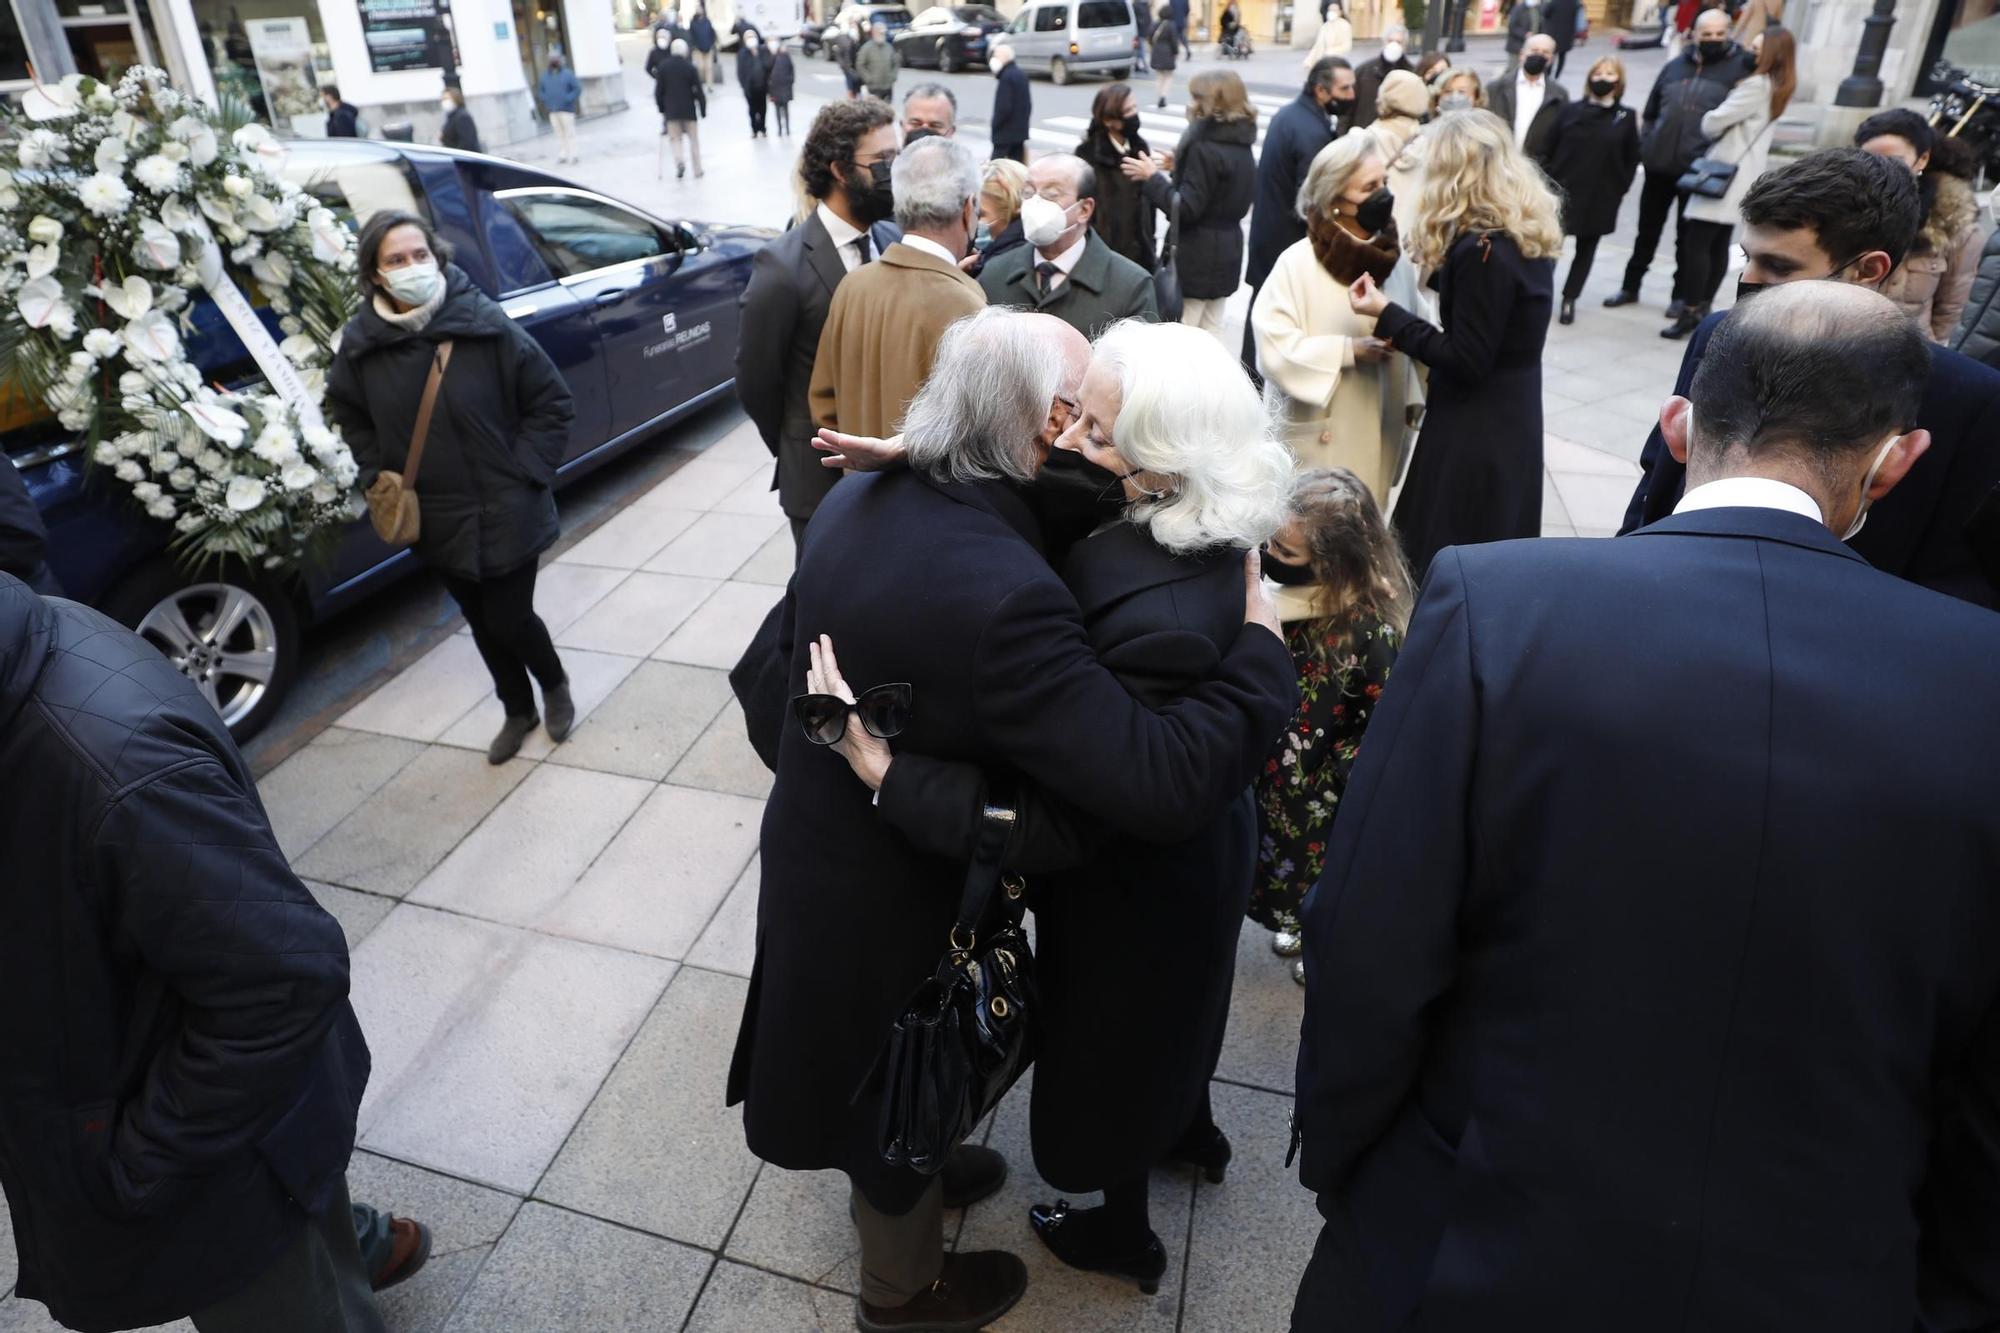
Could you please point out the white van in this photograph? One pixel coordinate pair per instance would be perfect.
(1060, 38)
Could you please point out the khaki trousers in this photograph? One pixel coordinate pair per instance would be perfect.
(564, 123)
(1203, 314)
(685, 129)
(900, 1256)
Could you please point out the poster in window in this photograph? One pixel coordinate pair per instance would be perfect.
(282, 50)
(403, 34)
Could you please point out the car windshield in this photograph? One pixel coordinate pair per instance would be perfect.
(888, 16)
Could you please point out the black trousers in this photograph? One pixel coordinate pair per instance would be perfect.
(511, 638)
(757, 104)
(1704, 259)
(1579, 268)
(1012, 152)
(784, 111)
(1656, 196)
(319, 1285)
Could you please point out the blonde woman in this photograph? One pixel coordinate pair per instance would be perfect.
(1336, 37)
(1458, 90)
(1488, 236)
(1003, 184)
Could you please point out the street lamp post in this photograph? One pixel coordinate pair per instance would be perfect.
(1863, 88)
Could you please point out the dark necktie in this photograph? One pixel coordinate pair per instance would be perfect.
(1048, 273)
(861, 247)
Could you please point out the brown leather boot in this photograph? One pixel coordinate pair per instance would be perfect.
(409, 1250)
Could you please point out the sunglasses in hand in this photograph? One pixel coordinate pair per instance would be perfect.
(884, 712)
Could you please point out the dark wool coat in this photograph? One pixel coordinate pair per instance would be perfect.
(852, 916)
(782, 77)
(1102, 289)
(343, 122)
(498, 432)
(1012, 105)
(677, 89)
(460, 131)
(1291, 141)
(1215, 175)
(182, 1068)
(1476, 474)
(24, 539)
(1368, 76)
(752, 72)
(1592, 155)
(1124, 216)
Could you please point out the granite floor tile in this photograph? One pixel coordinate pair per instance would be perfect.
(357, 913)
(428, 696)
(1553, 512)
(773, 563)
(1253, 1233)
(1261, 1045)
(747, 1300)
(656, 887)
(424, 1303)
(730, 942)
(658, 1149)
(629, 538)
(524, 858)
(705, 481)
(1561, 455)
(406, 828)
(556, 1270)
(639, 614)
(722, 759)
(1599, 428)
(489, 1042)
(716, 635)
(1594, 500)
(465, 1221)
(323, 783)
(717, 544)
(796, 1223)
(592, 678)
(564, 591)
(754, 496)
(648, 722)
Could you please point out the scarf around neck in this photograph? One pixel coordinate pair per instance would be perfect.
(1346, 256)
(413, 319)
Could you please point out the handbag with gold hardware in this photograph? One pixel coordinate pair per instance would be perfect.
(392, 496)
(969, 1032)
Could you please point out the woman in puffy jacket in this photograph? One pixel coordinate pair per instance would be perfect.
(1978, 334)
(1934, 279)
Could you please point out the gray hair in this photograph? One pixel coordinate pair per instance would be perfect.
(679, 48)
(933, 180)
(927, 91)
(978, 416)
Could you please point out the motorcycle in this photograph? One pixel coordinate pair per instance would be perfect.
(1967, 109)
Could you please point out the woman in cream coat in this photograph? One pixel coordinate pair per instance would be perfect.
(1340, 393)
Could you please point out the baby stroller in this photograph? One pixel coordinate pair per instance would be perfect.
(1236, 43)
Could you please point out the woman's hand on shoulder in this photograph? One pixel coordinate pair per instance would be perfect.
(859, 453)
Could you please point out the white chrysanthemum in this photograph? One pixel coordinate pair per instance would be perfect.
(276, 447)
(163, 508)
(62, 322)
(156, 173)
(245, 494)
(42, 148)
(129, 470)
(182, 478)
(146, 491)
(105, 195)
(132, 384)
(211, 461)
(103, 343)
(45, 230)
(105, 454)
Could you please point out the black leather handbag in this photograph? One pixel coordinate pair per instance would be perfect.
(969, 1032)
(1166, 273)
(1707, 177)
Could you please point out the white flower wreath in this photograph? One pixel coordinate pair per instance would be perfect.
(110, 198)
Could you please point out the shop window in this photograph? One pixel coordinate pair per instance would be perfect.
(577, 233)
(1967, 36)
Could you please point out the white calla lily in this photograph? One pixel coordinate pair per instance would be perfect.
(152, 337)
(38, 300)
(42, 260)
(218, 423)
(45, 103)
(157, 246)
(130, 298)
(244, 494)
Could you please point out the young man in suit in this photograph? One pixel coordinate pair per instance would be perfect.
(846, 165)
(1847, 216)
(1621, 1023)
(1066, 269)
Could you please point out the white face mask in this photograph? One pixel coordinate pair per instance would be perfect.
(1043, 221)
(660, 40)
(1392, 52)
(414, 284)
(1861, 514)
(447, 104)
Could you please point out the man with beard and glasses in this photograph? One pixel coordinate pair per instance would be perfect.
(1848, 216)
(845, 166)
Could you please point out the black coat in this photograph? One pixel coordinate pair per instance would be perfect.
(851, 916)
(1917, 531)
(1124, 216)
(1135, 940)
(1670, 136)
(459, 131)
(782, 77)
(182, 1068)
(1500, 101)
(1013, 105)
(752, 72)
(1476, 473)
(677, 90)
(1215, 176)
(1009, 237)
(1292, 140)
(498, 431)
(343, 122)
(1559, 22)
(1592, 155)
(24, 539)
(1165, 43)
(1368, 78)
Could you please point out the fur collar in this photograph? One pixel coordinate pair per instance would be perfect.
(1953, 211)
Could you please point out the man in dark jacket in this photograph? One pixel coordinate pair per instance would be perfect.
(1848, 216)
(460, 130)
(179, 1067)
(1528, 97)
(1670, 139)
(1559, 22)
(1611, 1024)
(792, 281)
(1069, 273)
(701, 39)
(342, 120)
(1013, 106)
(1368, 77)
(678, 93)
(23, 538)
(1296, 134)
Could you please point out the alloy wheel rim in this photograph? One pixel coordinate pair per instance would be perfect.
(221, 637)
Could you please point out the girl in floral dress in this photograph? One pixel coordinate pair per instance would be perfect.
(1345, 599)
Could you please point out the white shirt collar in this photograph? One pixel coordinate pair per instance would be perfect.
(844, 236)
(929, 247)
(1067, 260)
(1528, 99)
(1750, 493)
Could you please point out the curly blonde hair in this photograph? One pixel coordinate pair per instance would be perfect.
(1477, 180)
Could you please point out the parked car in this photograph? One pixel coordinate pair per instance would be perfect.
(1063, 38)
(638, 312)
(949, 37)
(856, 20)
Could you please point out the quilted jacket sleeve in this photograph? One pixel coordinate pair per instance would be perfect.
(190, 879)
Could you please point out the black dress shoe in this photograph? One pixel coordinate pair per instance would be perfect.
(1689, 321)
(1676, 308)
(1617, 299)
(1080, 1238)
(972, 1173)
(1568, 315)
(972, 1291)
(1206, 1149)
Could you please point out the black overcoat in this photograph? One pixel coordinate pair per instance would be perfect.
(1593, 153)
(1476, 474)
(1124, 216)
(498, 431)
(1215, 175)
(677, 90)
(851, 915)
(1294, 137)
(782, 77)
(1012, 105)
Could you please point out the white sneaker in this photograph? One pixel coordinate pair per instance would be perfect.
(1286, 944)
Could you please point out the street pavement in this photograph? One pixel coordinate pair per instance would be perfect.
(549, 957)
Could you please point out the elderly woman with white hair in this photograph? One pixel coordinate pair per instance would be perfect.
(1136, 938)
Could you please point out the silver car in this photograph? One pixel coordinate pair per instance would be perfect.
(1060, 38)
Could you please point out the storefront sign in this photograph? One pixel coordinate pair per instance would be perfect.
(402, 34)
(282, 49)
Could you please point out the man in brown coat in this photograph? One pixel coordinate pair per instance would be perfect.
(887, 318)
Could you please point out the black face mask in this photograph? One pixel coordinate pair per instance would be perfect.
(874, 202)
(1126, 129)
(1533, 66)
(1287, 573)
(1072, 497)
(1714, 51)
(1341, 106)
(1375, 211)
(921, 132)
(1603, 87)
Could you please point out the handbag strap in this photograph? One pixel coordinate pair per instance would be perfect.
(422, 430)
(996, 825)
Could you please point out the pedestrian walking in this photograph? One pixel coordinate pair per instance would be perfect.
(561, 94)
(1934, 279)
(1013, 106)
(1488, 231)
(1531, 996)
(1528, 98)
(183, 1069)
(1335, 37)
(1344, 599)
(1121, 213)
(843, 47)
(1210, 191)
(1226, 28)
(1169, 43)
(1692, 84)
(1003, 183)
(1066, 269)
(1293, 139)
(1142, 37)
(1337, 388)
(1593, 154)
(876, 64)
(702, 42)
(342, 120)
(1524, 20)
(678, 94)
(1370, 74)
(1739, 133)
(1401, 104)
(753, 77)
(488, 454)
(458, 130)
(1560, 20)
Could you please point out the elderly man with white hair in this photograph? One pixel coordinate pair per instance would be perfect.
(1369, 74)
(678, 93)
(932, 578)
(887, 317)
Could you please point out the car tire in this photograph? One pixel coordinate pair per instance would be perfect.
(947, 63)
(244, 671)
(1058, 71)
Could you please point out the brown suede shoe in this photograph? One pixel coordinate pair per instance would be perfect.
(409, 1250)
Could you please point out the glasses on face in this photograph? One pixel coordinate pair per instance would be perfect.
(1055, 194)
(884, 711)
(1064, 412)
